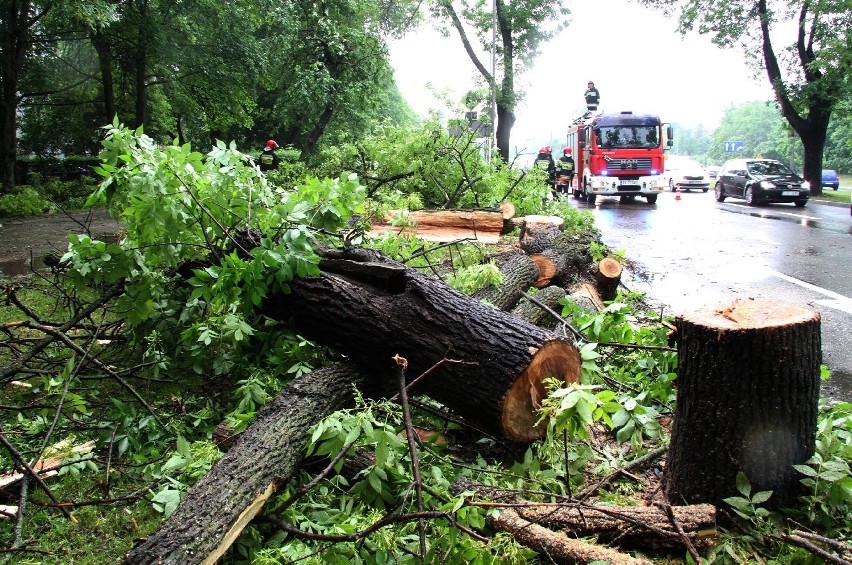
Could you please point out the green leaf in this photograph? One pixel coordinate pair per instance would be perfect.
(743, 484)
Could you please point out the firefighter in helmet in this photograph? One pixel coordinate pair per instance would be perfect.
(268, 158)
(565, 167)
(544, 162)
(593, 97)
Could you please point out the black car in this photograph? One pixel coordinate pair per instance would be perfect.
(761, 180)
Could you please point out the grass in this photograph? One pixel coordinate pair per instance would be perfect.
(841, 195)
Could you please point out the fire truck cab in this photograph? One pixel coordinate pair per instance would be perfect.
(619, 154)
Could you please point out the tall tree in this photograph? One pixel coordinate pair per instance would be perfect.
(809, 72)
(521, 28)
(16, 25)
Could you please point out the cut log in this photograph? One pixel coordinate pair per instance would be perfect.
(265, 456)
(538, 232)
(484, 225)
(499, 385)
(553, 268)
(608, 278)
(556, 546)
(508, 214)
(748, 389)
(520, 273)
(535, 314)
(635, 526)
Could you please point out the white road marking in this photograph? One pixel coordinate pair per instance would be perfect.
(835, 300)
(764, 214)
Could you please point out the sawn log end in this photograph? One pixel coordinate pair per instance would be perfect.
(557, 358)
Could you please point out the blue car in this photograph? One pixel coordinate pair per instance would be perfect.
(829, 178)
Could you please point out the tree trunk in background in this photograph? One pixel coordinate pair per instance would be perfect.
(14, 43)
(264, 458)
(748, 388)
(102, 47)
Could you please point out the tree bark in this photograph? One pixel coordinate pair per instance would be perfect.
(373, 309)
(748, 389)
(535, 314)
(538, 232)
(265, 456)
(520, 273)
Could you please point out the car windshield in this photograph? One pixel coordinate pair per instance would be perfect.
(628, 137)
(768, 168)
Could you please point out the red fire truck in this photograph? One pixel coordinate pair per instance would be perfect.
(619, 154)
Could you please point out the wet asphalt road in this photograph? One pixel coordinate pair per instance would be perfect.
(696, 252)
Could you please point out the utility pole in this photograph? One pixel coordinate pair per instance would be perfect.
(492, 140)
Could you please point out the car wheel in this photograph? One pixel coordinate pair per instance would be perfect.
(652, 199)
(705, 189)
(800, 203)
(749, 197)
(720, 192)
(590, 198)
(836, 187)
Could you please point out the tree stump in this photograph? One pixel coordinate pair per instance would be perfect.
(608, 278)
(748, 389)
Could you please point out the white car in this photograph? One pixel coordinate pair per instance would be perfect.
(685, 174)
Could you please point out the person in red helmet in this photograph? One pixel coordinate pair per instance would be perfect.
(544, 161)
(565, 168)
(268, 158)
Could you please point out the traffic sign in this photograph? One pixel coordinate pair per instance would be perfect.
(734, 146)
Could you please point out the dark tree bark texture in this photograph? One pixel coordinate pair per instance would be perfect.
(265, 456)
(748, 388)
(372, 311)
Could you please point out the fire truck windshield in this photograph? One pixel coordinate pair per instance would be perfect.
(628, 137)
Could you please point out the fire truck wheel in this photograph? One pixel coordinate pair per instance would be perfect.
(652, 199)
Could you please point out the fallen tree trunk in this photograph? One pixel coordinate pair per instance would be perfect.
(372, 309)
(264, 457)
(484, 225)
(634, 526)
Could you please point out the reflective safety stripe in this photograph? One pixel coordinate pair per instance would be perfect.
(266, 159)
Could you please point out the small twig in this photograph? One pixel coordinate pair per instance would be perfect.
(429, 371)
(375, 526)
(650, 456)
(61, 336)
(814, 549)
(577, 333)
(304, 489)
(832, 543)
(401, 364)
(690, 547)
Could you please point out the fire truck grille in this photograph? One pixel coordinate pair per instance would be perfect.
(629, 164)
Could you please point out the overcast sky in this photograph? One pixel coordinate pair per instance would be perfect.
(636, 58)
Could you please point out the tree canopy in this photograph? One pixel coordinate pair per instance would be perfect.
(803, 46)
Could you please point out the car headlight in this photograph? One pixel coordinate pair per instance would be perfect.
(806, 185)
(767, 184)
